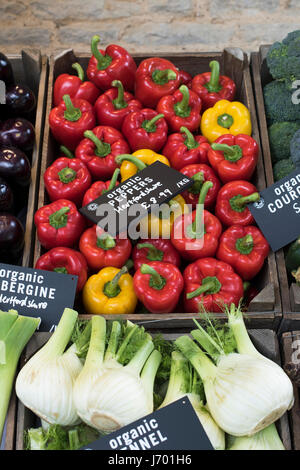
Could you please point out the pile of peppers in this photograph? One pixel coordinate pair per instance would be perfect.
(114, 123)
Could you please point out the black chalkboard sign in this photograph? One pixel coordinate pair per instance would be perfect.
(121, 208)
(277, 213)
(36, 293)
(174, 427)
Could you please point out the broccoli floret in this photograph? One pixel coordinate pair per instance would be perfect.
(280, 136)
(283, 59)
(295, 149)
(278, 103)
(283, 168)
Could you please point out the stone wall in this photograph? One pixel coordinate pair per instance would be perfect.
(149, 25)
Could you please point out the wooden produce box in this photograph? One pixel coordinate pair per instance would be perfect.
(290, 291)
(29, 68)
(264, 340)
(290, 342)
(265, 309)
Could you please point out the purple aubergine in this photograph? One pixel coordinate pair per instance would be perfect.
(14, 166)
(11, 238)
(17, 132)
(20, 100)
(6, 71)
(6, 196)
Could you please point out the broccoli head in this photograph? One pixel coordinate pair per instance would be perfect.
(280, 136)
(283, 168)
(283, 59)
(295, 149)
(278, 103)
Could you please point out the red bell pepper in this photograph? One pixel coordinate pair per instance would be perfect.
(185, 78)
(112, 107)
(234, 157)
(182, 149)
(59, 224)
(156, 249)
(231, 205)
(101, 249)
(113, 63)
(67, 178)
(210, 285)
(245, 249)
(158, 286)
(201, 173)
(74, 86)
(196, 234)
(155, 77)
(212, 87)
(145, 129)
(100, 187)
(182, 108)
(99, 149)
(70, 119)
(66, 261)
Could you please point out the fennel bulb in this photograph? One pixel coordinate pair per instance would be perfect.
(45, 383)
(180, 385)
(107, 394)
(267, 439)
(15, 332)
(245, 392)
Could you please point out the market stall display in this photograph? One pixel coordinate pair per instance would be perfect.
(157, 142)
(274, 68)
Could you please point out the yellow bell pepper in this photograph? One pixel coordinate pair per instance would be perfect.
(131, 164)
(159, 225)
(225, 117)
(110, 292)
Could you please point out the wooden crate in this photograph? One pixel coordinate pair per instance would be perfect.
(264, 340)
(290, 291)
(265, 310)
(30, 68)
(288, 347)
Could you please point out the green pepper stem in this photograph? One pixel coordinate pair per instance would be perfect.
(66, 151)
(119, 102)
(103, 61)
(71, 113)
(239, 202)
(190, 141)
(210, 285)
(106, 242)
(197, 224)
(245, 244)
(61, 270)
(67, 175)
(150, 126)
(102, 148)
(213, 85)
(131, 158)
(225, 120)
(79, 70)
(111, 288)
(199, 180)
(161, 77)
(114, 179)
(154, 254)
(182, 107)
(59, 219)
(156, 280)
(232, 153)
